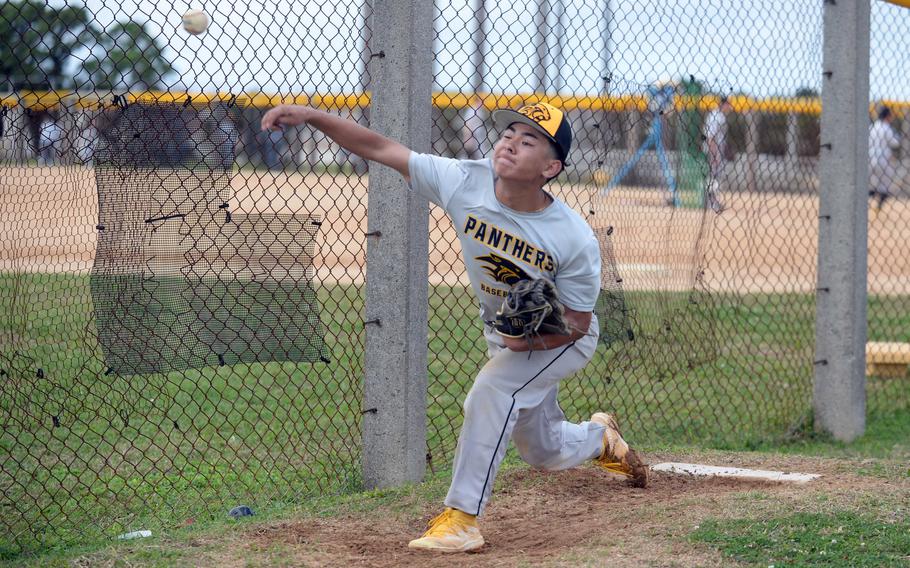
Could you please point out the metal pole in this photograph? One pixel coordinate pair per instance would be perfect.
(394, 394)
(607, 49)
(559, 60)
(839, 390)
(479, 38)
(540, 43)
(366, 21)
(361, 114)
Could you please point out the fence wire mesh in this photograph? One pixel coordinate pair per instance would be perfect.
(889, 184)
(181, 295)
(706, 210)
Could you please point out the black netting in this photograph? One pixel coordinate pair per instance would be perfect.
(179, 281)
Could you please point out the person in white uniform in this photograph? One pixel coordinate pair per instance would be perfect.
(49, 141)
(716, 150)
(510, 228)
(882, 143)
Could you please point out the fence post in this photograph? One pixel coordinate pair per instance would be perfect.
(359, 113)
(839, 390)
(395, 366)
(479, 41)
(541, 77)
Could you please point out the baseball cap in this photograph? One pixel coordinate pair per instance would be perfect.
(543, 117)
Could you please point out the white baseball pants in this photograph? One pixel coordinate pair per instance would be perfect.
(514, 397)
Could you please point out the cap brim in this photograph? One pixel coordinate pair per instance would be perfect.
(505, 117)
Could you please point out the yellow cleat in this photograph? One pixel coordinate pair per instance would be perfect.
(616, 455)
(450, 531)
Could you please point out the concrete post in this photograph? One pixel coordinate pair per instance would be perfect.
(839, 390)
(395, 387)
(558, 59)
(479, 39)
(474, 132)
(541, 35)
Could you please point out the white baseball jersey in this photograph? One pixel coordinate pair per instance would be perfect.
(882, 139)
(716, 128)
(500, 245)
(515, 394)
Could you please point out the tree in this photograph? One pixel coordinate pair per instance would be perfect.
(134, 60)
(43, 47)
(38, 41)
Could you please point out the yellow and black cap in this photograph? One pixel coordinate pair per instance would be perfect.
(543, 117)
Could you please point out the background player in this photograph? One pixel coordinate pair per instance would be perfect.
(510, 229)
(882, 143)
(716, 149)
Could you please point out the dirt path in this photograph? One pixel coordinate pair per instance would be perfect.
(761, 242)
(582, 516)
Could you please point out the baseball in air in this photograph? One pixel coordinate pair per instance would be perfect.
(195, 21)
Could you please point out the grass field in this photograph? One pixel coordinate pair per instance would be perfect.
(88, 455)
(856, 514)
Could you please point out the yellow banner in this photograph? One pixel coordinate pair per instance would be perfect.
(43, 100)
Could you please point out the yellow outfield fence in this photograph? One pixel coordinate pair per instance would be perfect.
(43, 100)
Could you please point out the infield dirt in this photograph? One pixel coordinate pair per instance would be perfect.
(761, 242)
(578, 517)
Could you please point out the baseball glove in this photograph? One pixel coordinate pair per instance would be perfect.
(531, 308)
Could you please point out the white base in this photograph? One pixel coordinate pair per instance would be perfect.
(713, 470)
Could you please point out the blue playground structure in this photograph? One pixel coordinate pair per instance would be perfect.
(660, 99)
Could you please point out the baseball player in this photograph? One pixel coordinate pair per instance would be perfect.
(510, 229)
(716, 148)
(882, 143)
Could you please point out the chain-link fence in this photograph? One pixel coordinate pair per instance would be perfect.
(181, 294)
(889, 184)
(695, 150)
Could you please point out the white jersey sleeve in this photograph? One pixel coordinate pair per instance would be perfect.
(435, 177)
(712, 124)
(578, 280)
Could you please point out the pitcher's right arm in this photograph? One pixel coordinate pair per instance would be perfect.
(357, 139)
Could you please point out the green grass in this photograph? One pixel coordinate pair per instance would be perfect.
(887, 436)
(407, 499)
(85, 455)
(811, 539)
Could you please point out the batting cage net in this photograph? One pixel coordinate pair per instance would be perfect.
(182, 294)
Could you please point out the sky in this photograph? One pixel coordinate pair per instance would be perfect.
(762, 48)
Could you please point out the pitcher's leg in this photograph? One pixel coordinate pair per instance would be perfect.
(546, 440)
(508, 383)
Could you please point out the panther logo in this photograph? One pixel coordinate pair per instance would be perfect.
(502, 269)
(537, 113)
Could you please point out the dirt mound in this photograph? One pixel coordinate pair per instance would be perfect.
(535, 517)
